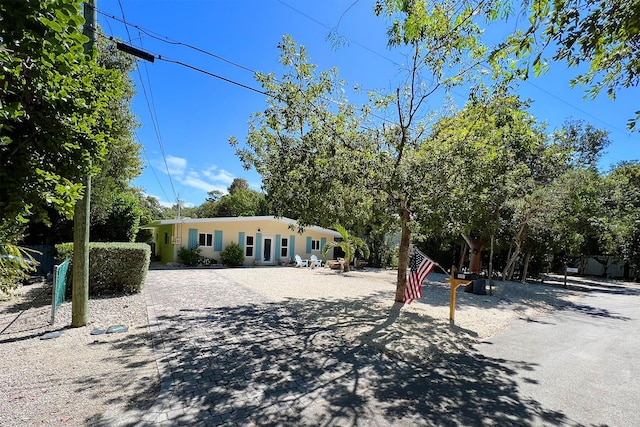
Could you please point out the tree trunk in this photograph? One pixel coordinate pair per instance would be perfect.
(346, 267)
(506, 267)
(475, 248)
(513, 265)
(525, 269)
(463, 255)
(403, 255)
(491, 267)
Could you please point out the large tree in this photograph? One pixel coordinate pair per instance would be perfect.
(623, 215)
(54, 118)
(444, 38)
(305, 144)
(487, 154)
(319, 163)
(113, 199)
(602, 37)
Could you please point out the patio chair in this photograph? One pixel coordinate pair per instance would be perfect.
(336, 264)
(301, 262)
(315, 262)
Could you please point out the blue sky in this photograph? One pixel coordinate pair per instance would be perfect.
(187, 116)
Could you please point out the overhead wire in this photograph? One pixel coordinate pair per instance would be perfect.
(527, 81)
(144, 150)
(168, 40)
(152, 111)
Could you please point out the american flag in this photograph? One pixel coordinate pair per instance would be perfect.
(420, 267)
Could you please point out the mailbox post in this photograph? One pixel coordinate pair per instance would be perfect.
(455, 281)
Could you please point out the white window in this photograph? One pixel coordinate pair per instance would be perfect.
(284, 247)
(315, 245)
(248, 247)
(205, 239)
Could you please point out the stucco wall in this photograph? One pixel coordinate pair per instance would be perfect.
(264, 232)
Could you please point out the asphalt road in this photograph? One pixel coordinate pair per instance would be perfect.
(580, 363)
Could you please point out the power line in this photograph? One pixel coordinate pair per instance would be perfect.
(168, 40)
(146, 155)
(152, 111)
(367, 48)
(161, 58)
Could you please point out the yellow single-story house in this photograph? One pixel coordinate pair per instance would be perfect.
(266, 240)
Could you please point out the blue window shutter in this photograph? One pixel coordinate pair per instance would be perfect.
(292, 247)
(323, 242)
(308, 245)
(241, 239)
(217, 240)
(193, 238)
(277, 247)
(258, 251)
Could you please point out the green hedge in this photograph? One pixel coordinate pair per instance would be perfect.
(114, 268)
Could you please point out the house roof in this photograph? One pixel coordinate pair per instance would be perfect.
(282, 220)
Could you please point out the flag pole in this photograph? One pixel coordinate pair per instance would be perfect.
(412, 251)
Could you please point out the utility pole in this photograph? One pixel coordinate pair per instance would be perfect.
(81, 215)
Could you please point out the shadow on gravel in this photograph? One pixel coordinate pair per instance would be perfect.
(538, 296)
(300, 364)
(37, 295)
(132, 383)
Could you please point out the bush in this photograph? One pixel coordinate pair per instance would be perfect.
(232, 255)
(16, 263)
(189, 257)
(114, 268)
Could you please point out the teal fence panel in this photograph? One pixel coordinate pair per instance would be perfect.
(59, 287)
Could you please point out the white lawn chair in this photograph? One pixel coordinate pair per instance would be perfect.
(301, 262)
(315, 262)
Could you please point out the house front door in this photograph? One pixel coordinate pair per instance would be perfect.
(268, 250)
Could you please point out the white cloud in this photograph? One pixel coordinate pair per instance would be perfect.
(193, 179)
(176, 165)
(208, 179)
(218, 175)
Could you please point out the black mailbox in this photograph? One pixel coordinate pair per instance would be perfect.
(467, 276)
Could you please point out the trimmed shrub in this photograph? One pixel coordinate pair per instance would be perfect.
(189, 257)
(232, 255)
(114, 268)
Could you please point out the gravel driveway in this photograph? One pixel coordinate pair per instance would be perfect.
(262, 346)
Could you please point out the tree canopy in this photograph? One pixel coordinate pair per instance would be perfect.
(54, 121)
(602, 35)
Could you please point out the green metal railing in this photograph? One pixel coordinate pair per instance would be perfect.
(59, 287)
